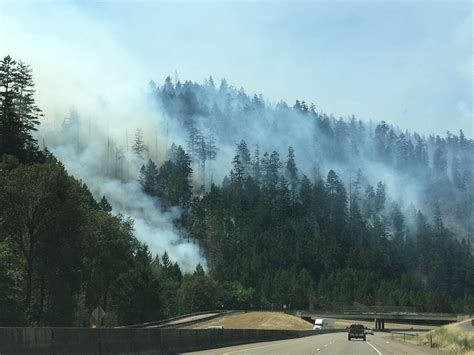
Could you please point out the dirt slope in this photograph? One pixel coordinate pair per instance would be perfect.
(257, 320)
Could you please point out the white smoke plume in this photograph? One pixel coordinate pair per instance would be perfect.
(151, 224)
(77, 62)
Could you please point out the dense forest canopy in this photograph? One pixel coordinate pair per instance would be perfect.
(288, 206)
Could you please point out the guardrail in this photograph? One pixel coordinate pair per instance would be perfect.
(165, 322)
(411, 335)
(194, 321)
(405, 335)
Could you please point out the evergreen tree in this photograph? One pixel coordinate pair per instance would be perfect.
(237, 172)
(292, 171)
(380, 197)
(182, 177)
(104, 205)
(256, 168)
(421, 153)
(440, 163)
(244, 156)
(456, 176)
(271, 166)
(149, 178)
(139, 146)
(27, 111)
(19, 115)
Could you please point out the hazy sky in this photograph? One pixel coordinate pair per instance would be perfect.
(409, 63)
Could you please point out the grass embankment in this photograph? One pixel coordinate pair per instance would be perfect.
(456, 338)
(257, 320)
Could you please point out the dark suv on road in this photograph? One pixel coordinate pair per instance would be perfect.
(356, 331)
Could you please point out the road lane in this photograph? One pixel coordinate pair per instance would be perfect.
(319, 344)
(326, 344)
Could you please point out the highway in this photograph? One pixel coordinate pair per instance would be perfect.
(336, 343)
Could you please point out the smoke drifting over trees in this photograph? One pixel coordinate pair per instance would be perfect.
(283, 205)
(384, 167)
(345, 189)
(110, 167)
(415, 170)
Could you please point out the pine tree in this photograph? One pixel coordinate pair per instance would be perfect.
(271, 166)
(256, 168)
(357, 184)
(456, 176)
(194, 137)
(403, 147)
(19, 115)
(421, 153)
(244, 156)
(28, 112)
(8, 119)
(237, 173)
(168, 88)
(438, 220)
(149, 178)
(337, 200)
(440, 163)
(166, 262)
(291, 171)
(380, 197)
(211, 148)
(104, 205)
(182, 177)
(139, 146)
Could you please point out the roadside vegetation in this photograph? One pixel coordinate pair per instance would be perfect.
(457, 338)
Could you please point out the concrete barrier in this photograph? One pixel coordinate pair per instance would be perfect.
(110, 341)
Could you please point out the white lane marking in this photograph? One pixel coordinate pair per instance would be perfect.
(318, 349)
(325, 345)
(243, 350)
(387, 342)
(378, 352)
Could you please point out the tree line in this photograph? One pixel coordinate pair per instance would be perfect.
(312, 242)
(272, 237)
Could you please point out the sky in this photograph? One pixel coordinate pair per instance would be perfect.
(408, 63)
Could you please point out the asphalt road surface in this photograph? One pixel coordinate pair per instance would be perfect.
(336, 343)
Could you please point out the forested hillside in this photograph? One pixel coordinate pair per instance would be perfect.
(418, 171)
(323, 213)
(371, 214)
